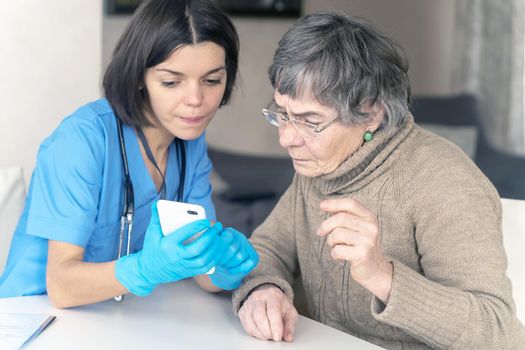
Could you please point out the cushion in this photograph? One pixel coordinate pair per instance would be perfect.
(243, 215)
(12, 193)
(514, 241)
(250, 177)
(466, 137)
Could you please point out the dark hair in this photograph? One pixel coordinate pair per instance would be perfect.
(345, 62)
(156, 29)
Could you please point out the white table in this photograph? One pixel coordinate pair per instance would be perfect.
(176, 316)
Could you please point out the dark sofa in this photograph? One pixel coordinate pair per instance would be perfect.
(254, 184)
(506, 171)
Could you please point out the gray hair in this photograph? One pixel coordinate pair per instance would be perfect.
(346, 63)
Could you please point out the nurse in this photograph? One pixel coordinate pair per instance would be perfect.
(173, 67)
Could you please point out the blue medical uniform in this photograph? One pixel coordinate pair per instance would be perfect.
(76, 191)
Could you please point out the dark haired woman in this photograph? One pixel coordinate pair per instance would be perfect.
(173, 67)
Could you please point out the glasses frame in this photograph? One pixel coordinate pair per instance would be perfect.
(271, 117)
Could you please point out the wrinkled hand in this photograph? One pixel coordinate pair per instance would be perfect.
(268, 314)
(353, 234)
(167, 259)
(238, 259)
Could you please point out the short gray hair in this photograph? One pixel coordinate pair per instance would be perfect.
(345, 62)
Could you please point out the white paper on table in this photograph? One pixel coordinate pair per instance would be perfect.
(18, 329)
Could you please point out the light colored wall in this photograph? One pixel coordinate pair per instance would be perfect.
(423, 28)
(52, 59)
(239, 126)
(50, 63)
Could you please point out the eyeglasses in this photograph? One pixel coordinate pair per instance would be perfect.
(306, 129)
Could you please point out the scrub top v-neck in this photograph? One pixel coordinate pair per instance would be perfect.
(76, 189)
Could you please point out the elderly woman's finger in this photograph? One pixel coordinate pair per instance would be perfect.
(347, 252)
(290, 320)
(275, 317)
(261, 320)
(349, 205)
(248, 323)
(343, 236)
(343, 220)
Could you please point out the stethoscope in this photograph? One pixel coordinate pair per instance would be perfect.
(126, 218)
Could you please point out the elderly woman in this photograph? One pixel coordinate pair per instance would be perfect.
(394, 231)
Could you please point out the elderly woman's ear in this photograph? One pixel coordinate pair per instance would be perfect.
(376, 114)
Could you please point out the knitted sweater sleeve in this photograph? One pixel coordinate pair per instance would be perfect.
(461, 297)
(274, 241)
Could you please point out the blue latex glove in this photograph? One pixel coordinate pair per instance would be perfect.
(167, 259)
(238, 259)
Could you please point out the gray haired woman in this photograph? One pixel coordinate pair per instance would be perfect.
(394, 231)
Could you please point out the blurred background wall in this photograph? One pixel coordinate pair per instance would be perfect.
(423, 27)
(53, 54)
(50, 63)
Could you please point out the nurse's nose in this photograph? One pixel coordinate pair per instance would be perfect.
(194, 95)
(289, 136)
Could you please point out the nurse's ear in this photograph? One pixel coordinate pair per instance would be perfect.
(142, 90)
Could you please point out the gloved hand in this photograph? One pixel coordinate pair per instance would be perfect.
(167, 259)
(238, 259)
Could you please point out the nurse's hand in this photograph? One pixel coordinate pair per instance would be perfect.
(268, 314)
(238, 258)
(167, 259)
(353, 234)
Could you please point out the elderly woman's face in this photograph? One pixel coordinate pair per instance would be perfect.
(323, 154)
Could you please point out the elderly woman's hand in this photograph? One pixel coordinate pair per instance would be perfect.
(353, 234)
(269, 314)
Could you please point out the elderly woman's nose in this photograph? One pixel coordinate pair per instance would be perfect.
(289, 136)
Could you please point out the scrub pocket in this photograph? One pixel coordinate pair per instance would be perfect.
(103, 244)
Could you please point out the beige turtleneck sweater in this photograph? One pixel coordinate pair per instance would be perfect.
(440, 224)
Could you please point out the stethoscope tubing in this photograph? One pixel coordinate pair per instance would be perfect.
(127, 200)
(128, 195)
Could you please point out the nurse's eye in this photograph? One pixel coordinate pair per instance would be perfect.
(169, 84)
(212, 82)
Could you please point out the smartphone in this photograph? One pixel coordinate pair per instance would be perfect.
(174, 215)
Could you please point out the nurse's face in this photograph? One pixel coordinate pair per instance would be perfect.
(186, 90)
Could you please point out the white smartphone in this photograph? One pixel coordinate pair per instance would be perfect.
(174, 215)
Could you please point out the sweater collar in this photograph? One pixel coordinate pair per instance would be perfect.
(368, 162)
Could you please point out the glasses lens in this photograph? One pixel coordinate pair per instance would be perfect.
(280, 120)
(304, 129)
(271, 117)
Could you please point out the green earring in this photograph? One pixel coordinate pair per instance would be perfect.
(368, 136)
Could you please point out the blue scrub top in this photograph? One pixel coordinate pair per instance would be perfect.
(76, 191)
